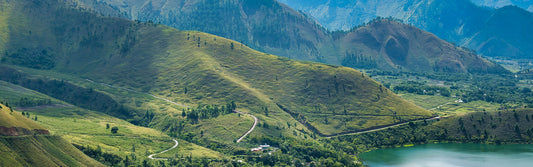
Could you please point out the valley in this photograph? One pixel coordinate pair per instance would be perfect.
(243, 83)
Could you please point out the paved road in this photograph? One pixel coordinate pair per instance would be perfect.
(152, 155)
(251, 129)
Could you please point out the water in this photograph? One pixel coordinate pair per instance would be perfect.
(451, 155)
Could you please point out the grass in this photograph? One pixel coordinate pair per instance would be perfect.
(448, 106)
(16, 119)
(186, 149)
(85, 127)
(41, 151)
(194, 68)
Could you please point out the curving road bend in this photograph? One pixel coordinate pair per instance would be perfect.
(152, 155)
(182, 105)
(251, 129)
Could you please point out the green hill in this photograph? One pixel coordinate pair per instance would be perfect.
(191, 68)
(22, 144)
(15, 124)
(274, 28)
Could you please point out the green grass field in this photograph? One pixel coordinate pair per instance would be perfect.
(85, 127)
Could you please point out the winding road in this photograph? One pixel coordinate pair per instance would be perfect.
(182, 105)
(251, 129)
(152, 155)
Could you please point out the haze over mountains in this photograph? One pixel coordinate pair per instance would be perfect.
(274, 28)
(502, 32)
(526, 4)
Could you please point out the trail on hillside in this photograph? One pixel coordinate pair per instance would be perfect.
(152, 155)
(182, 105)
(131, 90)
(440, 106)
(251, 129)
(379, 129)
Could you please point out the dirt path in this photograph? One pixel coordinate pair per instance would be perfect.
(152, 155)
(182, 105)
(131, 90)
(440, 106)
(378, 129)
(251, 129)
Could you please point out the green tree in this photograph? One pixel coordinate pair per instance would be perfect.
(114, 130)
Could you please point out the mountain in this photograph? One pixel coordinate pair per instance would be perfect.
(525, 4)
(265, 25)
(499, 32)
(391, 45)
(191, 68)
(26, 143)
(274, 28)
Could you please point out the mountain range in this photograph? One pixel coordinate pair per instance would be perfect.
(502, 32)
(275, 28)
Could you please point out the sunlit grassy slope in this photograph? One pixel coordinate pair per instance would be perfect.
(88, 128)
(36, 149)
(193, 68)
(9, 118)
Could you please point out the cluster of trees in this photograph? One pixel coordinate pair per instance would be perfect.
(83, 97)
(103, 157)
(28, 102)
(359, 61)
(208, 111)
(422, 89)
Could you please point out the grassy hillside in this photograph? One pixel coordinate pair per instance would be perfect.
(274, 28)
(10, 118)
(24, 145)
(41, 151)
(89, 129)
(197, 68)
(514, 125)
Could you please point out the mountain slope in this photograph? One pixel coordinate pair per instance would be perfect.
(274, 28)
(492, 32)
(198, 68)
(25, 146)
(396, 45)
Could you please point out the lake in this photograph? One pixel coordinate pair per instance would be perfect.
(451, 155)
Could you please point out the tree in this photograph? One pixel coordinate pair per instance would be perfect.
(114, 129)
(232, 47)
(106, 126)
